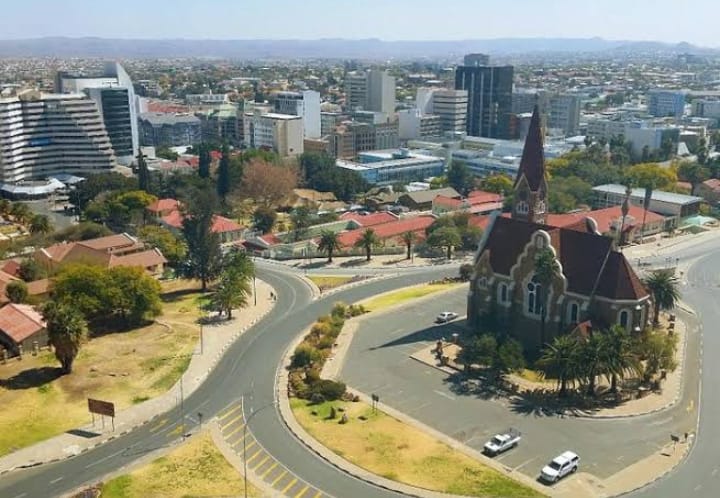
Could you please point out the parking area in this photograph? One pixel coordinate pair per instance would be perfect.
(379, 362)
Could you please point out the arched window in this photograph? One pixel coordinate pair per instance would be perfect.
(502, 293)
(534, 289)
(624, 318)
(522, 207)
(573, 312)
(482, 282)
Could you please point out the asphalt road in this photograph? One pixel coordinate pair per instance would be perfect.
(247, 370)
(386, 342)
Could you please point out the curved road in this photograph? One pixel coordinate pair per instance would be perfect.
(247, 369)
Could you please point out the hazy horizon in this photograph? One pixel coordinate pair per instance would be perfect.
(397, 20)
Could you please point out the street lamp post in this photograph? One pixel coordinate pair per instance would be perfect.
(245, 428)
(254, 290)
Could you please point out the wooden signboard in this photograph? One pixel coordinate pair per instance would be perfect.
(101, 407)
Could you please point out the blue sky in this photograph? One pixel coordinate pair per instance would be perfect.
(695, 21)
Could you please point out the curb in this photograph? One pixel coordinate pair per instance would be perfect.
(188, 392)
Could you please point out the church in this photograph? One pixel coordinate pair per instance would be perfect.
(594, 287)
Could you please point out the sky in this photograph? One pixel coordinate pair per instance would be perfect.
(694, 21)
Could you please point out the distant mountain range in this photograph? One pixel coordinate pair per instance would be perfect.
(323, 48)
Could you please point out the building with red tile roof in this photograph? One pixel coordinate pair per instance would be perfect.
(21, 325)
(609, 221)
(477, 202)
(163, 207)
(370, 220)
(594, 281)
(389, 233)
(228, 230)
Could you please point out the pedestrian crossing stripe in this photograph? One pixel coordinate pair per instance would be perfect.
(260, 464)
(283, 474)
(255, 455)
(228, 413)
(264, 474)
(302, 492)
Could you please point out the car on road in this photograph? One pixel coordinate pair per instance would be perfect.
(446, 316)
(562, 465)
(502, 442)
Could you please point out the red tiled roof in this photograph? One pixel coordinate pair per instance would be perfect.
(11, 267)
(481, 197)
(220, 223)
(20, 321)
(712, 183)
(587, 259)
(370, 220)
(164, 205)
(480, 222)
(109, 242)
(532, 163)
(388, 230)
(38, 287)
(451, 202)
(605, 218)
(144, 259)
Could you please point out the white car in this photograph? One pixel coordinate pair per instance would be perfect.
(502, 442)
(446, 316)
(562, 465)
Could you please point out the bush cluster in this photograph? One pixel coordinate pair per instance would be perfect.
(309, 357)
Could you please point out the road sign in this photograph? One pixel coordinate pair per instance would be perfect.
(101, 407)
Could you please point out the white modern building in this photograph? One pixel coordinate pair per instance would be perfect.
(356, 91)
(42, 135)
(451, 107)
(114, 95)
(412, 124)
(305, 104)
(282, 133)
(666, 103)
(564, 113)
(386, 167)
(373, 90)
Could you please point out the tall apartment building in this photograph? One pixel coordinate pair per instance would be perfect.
(564, 113)
(451, 107)
(666, 103)
(370, 91)
(414, 125)
(222, 123)
(705, 108)
(305, 104)
(282, 133)
(169, 130)
(329, 121)
(114, 95)
(47, 134)
(489, 90)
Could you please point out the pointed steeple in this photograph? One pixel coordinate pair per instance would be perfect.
(532, 164)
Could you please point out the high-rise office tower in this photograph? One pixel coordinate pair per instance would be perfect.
(47, 134)
(356, 90)
(451, 107)
(666, 103)
(564, 113)
(381, 92)
(489, 99)
(115, 97)
(476, 60)
(305, 104)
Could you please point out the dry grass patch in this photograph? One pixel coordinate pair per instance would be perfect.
(124, 367)
(196, 468)
(325, 282)
(397, 451)
(396, 297)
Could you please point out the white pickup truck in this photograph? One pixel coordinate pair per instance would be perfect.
(502, 442)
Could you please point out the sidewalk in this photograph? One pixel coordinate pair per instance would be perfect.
(217, 337)
(359, 262)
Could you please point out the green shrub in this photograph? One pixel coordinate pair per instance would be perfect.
(321, 329)
(356, 310)
(312, 375)
(340, 309)
(304, 356)
(297, 385)
(328, 389)
(326, 342)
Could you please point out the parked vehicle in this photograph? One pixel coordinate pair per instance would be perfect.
(502, 442)
(446, 316)
(562, 465)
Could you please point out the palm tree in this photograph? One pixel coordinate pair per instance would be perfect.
(619, 357)
(67, 330)
(409, 239)
(561, 360)
(40, 224)
(367, 241)
(663, 285)
(329, 243)
(546, 270)
(592, 360)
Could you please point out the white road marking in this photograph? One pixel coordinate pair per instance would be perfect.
(21, 495)
(105, 458)
(714, 472)
(524, 464)
(444, 395)
(56, 480)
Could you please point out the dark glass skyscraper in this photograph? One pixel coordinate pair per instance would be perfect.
(489, 111)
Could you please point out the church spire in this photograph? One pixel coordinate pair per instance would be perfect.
(530, 197)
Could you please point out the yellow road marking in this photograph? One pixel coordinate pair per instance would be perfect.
(176, 431)
(691, 405)
(159, 424)
(302, 492)
(234, 431)
(250, 445)
(261, 462)
(254, 455)
(264, 474)
(284, 473)
(318, 494)
(228, 413)
(232, 421)
(292, 483)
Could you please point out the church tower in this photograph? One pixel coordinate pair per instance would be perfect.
(530, 200)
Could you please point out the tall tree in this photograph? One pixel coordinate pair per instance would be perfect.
(233, 289)
(499, 184)
(204, 253)
(17, 291)
(223, 174)
(329, 243)
(170, 245)
(459, 177)
(264, 218)
(621, 358)
(204, 160)
(143, 173)
(67, 330)
(20, 212)
(445, 237)
(479, 351)
(300, 219)
(266, 183)
(40, 225)
(561, 360)
(664, 287)
(408, 239)
(651, 175)
(368, 241)
(546, 270)
(693, 173)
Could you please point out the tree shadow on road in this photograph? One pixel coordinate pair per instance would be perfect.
(429, 334)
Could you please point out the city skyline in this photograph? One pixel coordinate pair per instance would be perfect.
(400, 20)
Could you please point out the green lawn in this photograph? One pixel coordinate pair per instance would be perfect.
(400, 296)
(397, 451)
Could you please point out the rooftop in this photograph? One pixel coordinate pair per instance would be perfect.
(657, 195)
